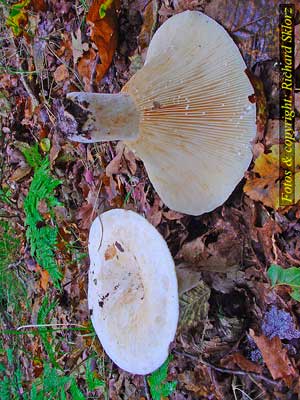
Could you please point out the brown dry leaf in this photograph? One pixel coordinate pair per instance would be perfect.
(86, 214)
(263, 183)
(242, 363)
(187, 278)
(275, 356)
(115, 165)
(77, 46)
(20, 173)
(154, 214)
(145, 35)
(44, 281)
(85, 67)
(104, 33)
(172, 215)
(61, 73)
(219, 254)
(253, 24)
(261, 104)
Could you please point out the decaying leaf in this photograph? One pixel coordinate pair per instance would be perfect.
(194, 306)
(275, 356)
(242, 362)
(263, 183)
(18, 18)
(253, 24)
(104, 34)
(20, 173)
(61, 73)
(187, 278)
(214, 255)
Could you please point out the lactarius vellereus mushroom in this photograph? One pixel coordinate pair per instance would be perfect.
(132, 293)
(186, 114)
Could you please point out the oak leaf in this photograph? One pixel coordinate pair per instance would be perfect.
(275, 356)
(263, 183)
(104, 34)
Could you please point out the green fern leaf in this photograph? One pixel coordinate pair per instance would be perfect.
(158, 387)
(44, 311)
(75, 391)
(92, 381)
(42, 239)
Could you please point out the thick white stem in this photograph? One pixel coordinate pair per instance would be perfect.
(108, 117)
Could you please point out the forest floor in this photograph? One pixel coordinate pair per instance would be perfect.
(239, 332)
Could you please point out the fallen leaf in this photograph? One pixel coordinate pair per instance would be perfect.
(214, 255)
(242, 362)
(263, 181)
(187, 278)
(104, 34)
(275, 356)
(77, 45)
(61, 73)
(18, 18)
(145, 35)
(20, 173)
(85, 67)
(154, 214)
(172, 215)
(193, 306)
(253, 25)
(44, 280)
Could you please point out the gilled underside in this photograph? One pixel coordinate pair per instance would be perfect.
(196, 117)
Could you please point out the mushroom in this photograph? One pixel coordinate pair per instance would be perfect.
(187, 114)
(132, 292)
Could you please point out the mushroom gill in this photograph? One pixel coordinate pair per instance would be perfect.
(195, 119)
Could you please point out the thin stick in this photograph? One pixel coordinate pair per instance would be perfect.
(64, 326)
(147, 394)
(226, 370)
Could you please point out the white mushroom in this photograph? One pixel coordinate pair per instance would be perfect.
(132, 293)
(186, 114)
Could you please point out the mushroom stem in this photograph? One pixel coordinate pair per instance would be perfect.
(106, 117)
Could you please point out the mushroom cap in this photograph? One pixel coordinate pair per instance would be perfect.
(132, 292)
(196, 119)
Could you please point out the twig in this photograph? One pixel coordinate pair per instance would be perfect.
(227, 370)
(147, 394)
(34, 100)
(156, 8)
(64, 326)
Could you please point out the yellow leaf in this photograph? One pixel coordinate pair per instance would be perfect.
(263, 184)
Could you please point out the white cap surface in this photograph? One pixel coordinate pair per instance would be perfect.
(132, 293)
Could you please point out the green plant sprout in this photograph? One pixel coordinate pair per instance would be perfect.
(288, 276)
(103, 8)
(159, 388)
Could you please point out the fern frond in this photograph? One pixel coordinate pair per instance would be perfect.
(42, 239)
(32, 156)
(42, 318)
(158, 387)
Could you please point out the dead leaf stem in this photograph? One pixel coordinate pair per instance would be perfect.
(227, 370)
